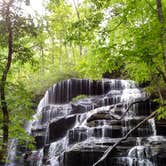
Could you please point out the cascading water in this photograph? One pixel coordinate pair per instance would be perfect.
(11, 153)
(78, 132)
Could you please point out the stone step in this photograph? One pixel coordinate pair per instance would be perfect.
(54, 111)
(39, 136)
(112, 115)
(87, 155)
(81, 134)
(161, 127)
(131, 121)
(59, 128)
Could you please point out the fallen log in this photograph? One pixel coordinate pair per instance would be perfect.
(111, 148)
(128, 108)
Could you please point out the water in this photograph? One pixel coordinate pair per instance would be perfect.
(40, 160)
(55, 149)
(68, 133)
(153, 126)
(11, 153)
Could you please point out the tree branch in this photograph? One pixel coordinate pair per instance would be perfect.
(160, 13)
(150, 5)
(128, 108)
(161, 73)
(3, 102)
(111, 148)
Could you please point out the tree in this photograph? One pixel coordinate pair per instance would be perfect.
(162, 35)
(14, 28)
(128, 37)
(4, 106)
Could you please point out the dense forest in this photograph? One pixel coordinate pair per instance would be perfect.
(123, 39)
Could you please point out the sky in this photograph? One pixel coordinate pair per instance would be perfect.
(38, 4)
(35, 5)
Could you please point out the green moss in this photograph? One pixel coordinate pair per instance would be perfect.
(74, 99)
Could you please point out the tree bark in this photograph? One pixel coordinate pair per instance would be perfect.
(42, 58)
(161, 73)
(60, 56)
(3, 102)
(111, 148)
(163, 30)
(79, 19)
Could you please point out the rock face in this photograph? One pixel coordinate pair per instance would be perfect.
(77, 133)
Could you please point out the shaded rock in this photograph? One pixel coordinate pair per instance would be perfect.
(59, 128)
(88, 132)
(161, 127)
(77, 135)
(100, 115)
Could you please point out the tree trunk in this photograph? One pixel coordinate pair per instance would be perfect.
(3, 102)
(163, 33)
(79, 19)
(60, 56)
(42, 58)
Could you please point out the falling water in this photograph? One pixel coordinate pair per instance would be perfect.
(153, 126)
(40, 160)
(78, 132)
(11, 153)
(55, 150)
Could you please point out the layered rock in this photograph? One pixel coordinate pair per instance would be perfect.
(77, 133)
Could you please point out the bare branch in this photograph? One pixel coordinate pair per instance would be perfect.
(128, 108)
(111, 148)
(150, 5)
(161, 73)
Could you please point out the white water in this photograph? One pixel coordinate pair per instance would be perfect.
(41, 154)
(11, 153)
(153, 126)
(128, 94)
(123, 92)
(55, 149)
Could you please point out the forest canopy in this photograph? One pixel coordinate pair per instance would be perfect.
(76, 38)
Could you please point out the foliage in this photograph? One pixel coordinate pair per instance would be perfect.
(86, 40)
(79, 97)
(126, 37)
(162, 113)
(15, 50)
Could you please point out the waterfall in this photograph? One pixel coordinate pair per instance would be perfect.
(39, 162)
(153, 126)
(11, 153)
(55, 149)
(72, 133)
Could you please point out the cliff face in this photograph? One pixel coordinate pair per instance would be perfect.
(77, 133)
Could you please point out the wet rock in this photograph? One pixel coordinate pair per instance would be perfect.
(77, 135)
(88, 155)
(161, 158)
(39, 141)
(161, 127)
(99, 116)
(59, 128)
(82, 131)
(83, 156)
(80, 108)
(39, 135)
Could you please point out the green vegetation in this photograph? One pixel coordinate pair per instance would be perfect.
(74, 99)
(85, 39)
